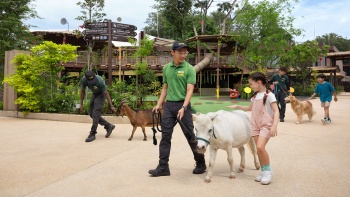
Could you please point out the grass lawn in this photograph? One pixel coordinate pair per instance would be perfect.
(205, 104)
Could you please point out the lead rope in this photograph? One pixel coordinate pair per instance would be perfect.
(158, 117)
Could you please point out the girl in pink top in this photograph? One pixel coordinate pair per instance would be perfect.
(264, 121)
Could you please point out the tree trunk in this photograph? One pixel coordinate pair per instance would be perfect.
(227, 15)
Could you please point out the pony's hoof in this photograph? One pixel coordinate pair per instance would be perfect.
(232, 176)
(296, 122)
(129, 139)
(207, 180)
(144, 139)
(257, 166)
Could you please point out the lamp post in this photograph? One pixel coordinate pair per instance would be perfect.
(64, 21)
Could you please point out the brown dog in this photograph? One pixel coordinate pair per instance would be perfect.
(301, 108)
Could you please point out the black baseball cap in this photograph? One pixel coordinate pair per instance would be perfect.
(179, 45)
(90, 77)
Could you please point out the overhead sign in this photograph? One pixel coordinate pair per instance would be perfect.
(122, 32)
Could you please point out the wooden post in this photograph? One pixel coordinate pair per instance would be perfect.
(109, 81)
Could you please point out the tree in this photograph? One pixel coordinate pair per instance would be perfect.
(264, 32)
(146, 80)
(301, 57)
(92, 12)
(36, 78)
(176, 14)
(338, 41)
(14, 34)
(204, 7)
(226, 8)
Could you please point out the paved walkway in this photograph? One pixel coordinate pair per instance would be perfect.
(51, 158)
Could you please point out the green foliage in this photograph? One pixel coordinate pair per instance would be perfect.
(1, 105)
(91, 10)
(14, 34)
(339, 89)
(302, 90)
(301, 57)
(264, 32)
(36, 79)
(338, 41)
(174, 19)
(120, 90)
(144, 75)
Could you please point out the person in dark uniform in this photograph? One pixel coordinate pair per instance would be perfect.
(281, 87)
(98, 87)
(179, 78)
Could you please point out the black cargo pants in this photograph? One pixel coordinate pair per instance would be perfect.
(169, 120)
(281, 103)
(96, 106)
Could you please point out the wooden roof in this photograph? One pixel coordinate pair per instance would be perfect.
(339, 54)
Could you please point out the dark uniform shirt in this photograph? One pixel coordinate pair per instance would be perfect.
(283, 81)
(98, 88)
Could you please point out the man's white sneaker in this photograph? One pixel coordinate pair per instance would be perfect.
(266, 178)
(259, 177)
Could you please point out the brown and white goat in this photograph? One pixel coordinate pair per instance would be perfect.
(138, 118)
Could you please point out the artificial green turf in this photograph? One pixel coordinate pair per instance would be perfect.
(205, 104)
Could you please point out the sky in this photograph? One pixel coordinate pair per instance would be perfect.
(315, 17)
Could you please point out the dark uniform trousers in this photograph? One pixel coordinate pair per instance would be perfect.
(281, 103)
(169, 120)
(96, 106)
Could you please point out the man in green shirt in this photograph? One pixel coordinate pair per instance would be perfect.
(98, 87)
(281, 87)
(179, 78)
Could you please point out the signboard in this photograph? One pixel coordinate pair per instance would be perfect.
(114, 25)
(105, 38)
(124, 26)
(104, 31)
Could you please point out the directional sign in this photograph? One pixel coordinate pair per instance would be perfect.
(96, 25)
(124, 26)
(100, 31)
(105, 38)
(114, 25)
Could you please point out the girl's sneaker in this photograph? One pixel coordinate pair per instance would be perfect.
(259, 177)
(324, 120)
(266, 178)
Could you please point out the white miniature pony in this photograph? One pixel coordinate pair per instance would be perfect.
(225, 130)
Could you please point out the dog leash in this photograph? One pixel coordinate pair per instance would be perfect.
(158, 118)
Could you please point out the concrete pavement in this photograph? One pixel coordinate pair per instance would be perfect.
(51, 158)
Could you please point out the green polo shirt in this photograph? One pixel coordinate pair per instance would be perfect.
(177, 79)
(98, 88)
(283, 81)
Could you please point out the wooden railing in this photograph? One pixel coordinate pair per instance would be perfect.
(151, 60)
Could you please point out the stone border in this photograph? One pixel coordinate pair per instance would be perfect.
(63, 117)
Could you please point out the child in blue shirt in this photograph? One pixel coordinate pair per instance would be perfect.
(325, 90)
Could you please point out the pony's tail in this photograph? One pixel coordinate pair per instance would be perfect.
(251, 145)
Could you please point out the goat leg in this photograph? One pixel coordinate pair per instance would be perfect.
(144, 133)
(132, 133)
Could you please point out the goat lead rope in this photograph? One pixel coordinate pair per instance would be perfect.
(186, 130)
(158, 118)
